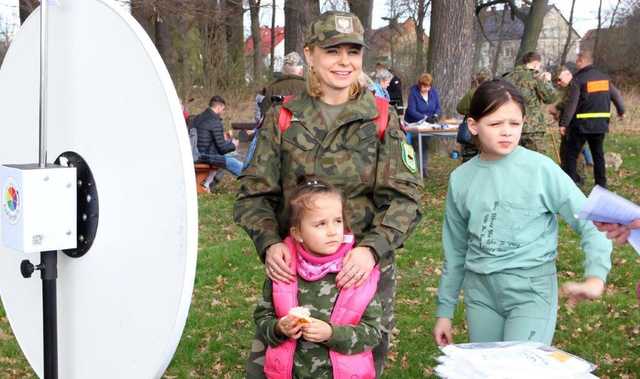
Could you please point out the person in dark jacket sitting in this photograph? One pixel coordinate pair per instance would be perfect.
(423, 104)
(212, 145)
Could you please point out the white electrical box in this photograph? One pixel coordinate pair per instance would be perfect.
(38, 207)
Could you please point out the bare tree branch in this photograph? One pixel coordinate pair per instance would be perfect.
(565, 50)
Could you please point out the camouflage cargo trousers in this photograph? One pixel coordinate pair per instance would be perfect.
(387, 292)
(533, 141)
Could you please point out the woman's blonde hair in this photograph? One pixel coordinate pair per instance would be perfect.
(314, 89)
(425, 80)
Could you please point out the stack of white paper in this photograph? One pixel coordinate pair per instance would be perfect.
(605, 206)
(424, 126)
(510, 360)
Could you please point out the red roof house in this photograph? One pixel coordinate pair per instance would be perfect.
(265, 40)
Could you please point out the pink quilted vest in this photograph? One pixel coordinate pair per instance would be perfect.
(350, 305)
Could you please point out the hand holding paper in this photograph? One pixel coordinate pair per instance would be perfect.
(613, 214)
(616, 232)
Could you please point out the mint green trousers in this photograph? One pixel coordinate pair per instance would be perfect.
(517, 305)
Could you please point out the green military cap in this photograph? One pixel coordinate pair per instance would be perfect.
(335, 28)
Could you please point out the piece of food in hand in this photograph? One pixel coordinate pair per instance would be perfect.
(301, 313)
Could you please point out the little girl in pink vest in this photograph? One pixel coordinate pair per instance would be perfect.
(336, 341)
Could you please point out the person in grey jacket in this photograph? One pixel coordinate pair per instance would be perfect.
(214, 148)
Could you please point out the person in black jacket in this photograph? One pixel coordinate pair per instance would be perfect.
(586, 115)
(212, 145)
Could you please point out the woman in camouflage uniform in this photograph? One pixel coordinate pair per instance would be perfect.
(333, 135)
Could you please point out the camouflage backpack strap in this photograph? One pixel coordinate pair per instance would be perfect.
(285, 115)
(382, 105)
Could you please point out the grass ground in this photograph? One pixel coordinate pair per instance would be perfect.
(219, 329)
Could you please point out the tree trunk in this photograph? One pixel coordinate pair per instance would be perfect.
(145, 15)
(532, 28)
(310, 10)
(363, 9)
(254, 10)
(213, 37)
(298, 14)
(567, 43)
(163, 39)
(451, 50)
(496, 58)
(613, 15)
(597, 39)
(25, 7)
(234, 36)
(393, 27)
(272, 44)
(184, 77)
(291, 25)
(419, 64)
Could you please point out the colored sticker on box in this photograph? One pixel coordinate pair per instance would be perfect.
(11, 201)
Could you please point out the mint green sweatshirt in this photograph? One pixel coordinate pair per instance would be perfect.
(501, 216)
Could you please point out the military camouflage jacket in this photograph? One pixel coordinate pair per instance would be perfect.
(311, 360)
(377, 177)
(536, 91)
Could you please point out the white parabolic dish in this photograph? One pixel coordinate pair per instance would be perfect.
(122, 307)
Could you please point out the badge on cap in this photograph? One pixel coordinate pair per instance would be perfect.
(409, 157)
(344, 24)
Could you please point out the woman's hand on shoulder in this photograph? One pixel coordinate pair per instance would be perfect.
(443, 332)
(356, 267)
(278, 263)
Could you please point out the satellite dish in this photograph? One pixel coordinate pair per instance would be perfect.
(122, 306)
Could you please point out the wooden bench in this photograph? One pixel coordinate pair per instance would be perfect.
(202, 171)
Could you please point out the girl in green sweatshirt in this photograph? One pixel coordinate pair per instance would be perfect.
(500, 232)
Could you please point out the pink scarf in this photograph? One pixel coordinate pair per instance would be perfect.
(313, 267)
